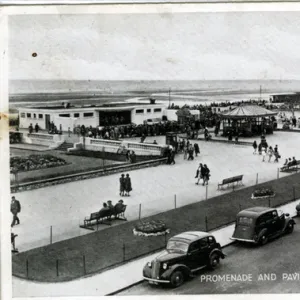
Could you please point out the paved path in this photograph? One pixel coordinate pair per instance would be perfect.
(64, 206)
(117, 278)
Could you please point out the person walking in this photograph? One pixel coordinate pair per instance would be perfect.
(122, 185)
(264, 153)
(185, 152)
(199, 173)
(172, 157)
(270, 153)
(254, 145)
(276, 153)
(128, 186)
(15, 208)
(206, 174)
(197, 149)
(191, 152)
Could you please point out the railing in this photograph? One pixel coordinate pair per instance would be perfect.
(41, 136)
(113, 146)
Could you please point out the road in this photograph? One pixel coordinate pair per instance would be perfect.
(279, 257)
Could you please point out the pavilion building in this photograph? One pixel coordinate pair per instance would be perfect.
(248, 120)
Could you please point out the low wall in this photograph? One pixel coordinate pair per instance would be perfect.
(113, 146)
(50, 140)
(86, 175)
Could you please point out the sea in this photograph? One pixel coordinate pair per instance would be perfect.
(179, 91)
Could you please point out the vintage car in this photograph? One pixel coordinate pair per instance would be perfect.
(260, 224)
(185, 254)
(298, 209)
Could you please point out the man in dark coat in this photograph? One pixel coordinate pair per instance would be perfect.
(197, 149)
(122, 185)
(128, 186)
(15, 208)
(206, 175)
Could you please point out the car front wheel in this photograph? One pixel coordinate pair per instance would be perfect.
(177, 279)
(214, 260)
(290, 228)
(263, 240)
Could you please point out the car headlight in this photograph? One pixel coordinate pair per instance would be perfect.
(165, 266)
(149, 264)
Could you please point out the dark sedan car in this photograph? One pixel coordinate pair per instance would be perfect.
(260, 224)
(185, 254)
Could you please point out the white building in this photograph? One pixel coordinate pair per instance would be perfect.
(92, 115)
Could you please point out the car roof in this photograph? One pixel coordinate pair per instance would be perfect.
(254, 212)
(190, 236)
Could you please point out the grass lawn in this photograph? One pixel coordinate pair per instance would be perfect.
(117, 244)
(75, 164)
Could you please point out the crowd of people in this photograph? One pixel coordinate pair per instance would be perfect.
(128, 131)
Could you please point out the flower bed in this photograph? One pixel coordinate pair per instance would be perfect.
(263, 193)
(34, 162)
(151, 228)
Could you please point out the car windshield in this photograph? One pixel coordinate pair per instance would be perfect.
(245, 221)
(177, 246)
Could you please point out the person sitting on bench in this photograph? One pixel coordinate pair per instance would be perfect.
(120, 205)
(111, 207)
(294, 161)
(104, 208)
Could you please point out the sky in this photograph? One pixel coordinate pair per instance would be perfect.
(181, 46)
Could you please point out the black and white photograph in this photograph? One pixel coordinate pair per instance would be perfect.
(153, 150)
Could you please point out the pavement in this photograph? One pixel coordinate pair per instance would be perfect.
(59, 209)
(123, 276)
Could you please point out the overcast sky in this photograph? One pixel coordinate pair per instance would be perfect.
(186, 46)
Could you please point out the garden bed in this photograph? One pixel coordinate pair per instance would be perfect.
(34, 162)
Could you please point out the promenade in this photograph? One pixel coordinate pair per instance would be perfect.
(54, 213)
(112, 280)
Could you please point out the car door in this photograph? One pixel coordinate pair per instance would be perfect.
(196, 254)
(279, 220)
(271, 222)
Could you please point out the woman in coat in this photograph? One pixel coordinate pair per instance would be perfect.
(128, 186)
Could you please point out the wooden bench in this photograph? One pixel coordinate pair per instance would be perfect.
(230, 181)
(291, 168)
(104, 217)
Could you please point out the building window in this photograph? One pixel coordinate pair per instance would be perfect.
(40, 116)
(148, 110)
(139, 111)
(64, 115)
(76, 115)
(22, 115)
(34, 116)
(28, 115)
(89, 114)
(157, 109)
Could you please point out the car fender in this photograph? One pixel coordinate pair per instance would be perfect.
(171, 269)
(219, 252)
(261, 233)
(287, 221)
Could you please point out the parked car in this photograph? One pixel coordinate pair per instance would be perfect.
(185, 254)
(298, 209)
(260, 224)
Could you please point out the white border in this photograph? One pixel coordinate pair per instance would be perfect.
(6, 280)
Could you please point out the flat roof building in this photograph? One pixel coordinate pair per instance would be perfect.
(66, 116)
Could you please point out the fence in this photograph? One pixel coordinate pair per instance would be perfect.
(95, 252)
